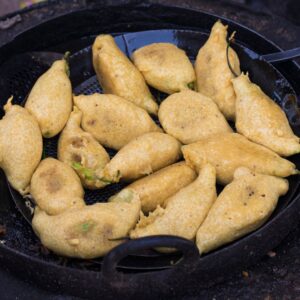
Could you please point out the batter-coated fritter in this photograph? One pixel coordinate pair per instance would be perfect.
(112, 120)
(142, 156)
(185, 211)
(82, 152)
(50, 99)
(212, 71)
(55, 187)
(21, 146)
(229, 151)
(261, 120)
(190, 116)
(243, 206)
(165, 67)
(117, 74)
(90, 231)
(156, 188)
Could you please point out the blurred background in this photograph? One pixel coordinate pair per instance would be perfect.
(288, 9)
(7, 6)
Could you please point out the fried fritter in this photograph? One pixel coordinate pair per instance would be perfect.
(118, 75)
(50, 99)
(261, 120)
(112, 120)
(165, 67)
(55, 187)
(82, 152)
(243, 206)
(142, 156)
(229, 151)
(190, 116)
(90, 231)
(212, 71)
(21, 146)
(156, 188)
(185, 211)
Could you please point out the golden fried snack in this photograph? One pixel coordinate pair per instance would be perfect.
(212, 71)
(112, 120)
(117, 75)
(90, 231)
(142, 156)
(156, 188)
(21, 146)
(82, 152)
(55, 187)
(165, 67)
(261, 120)
(185, 211)
(243, 206)
(190, 116)
(50, 99)
(229, 151)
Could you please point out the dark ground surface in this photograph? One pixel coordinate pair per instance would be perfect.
(276, 277)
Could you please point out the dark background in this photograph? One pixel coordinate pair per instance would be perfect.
(277, 275)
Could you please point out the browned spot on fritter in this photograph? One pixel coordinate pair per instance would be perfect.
(250, 191)
(91, 122)
(77, 142)
(54, 184)
(76, 157)
(208, 58)
(156, 54)
(152, 52)
(107, 231)
(50, 172)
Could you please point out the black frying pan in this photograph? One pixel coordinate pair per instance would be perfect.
(85, 82)
(209, 266)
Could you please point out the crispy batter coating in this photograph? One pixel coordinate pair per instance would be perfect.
(118, 75)
(156, 188)
(90, 231)
(55, 187)
(142, 156)
(243, 206)
(50, 99)
(165, 67)
(185, 211)
(212, 71)
(261, 120)
(190, 116)
(82, 152)
(21, 146)
(112, 120)
(229, 151)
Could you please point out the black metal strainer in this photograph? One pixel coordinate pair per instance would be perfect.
(82, 73)
(18, 77)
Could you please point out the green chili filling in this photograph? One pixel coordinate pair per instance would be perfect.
(85, 227)
(191, 85)
(88, 173)
(66, 58)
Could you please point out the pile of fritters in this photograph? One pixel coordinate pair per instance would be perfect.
(172, 169)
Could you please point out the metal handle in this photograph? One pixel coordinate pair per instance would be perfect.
(282, 56)
(111, 260)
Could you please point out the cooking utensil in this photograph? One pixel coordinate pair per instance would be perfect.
(22, 250)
